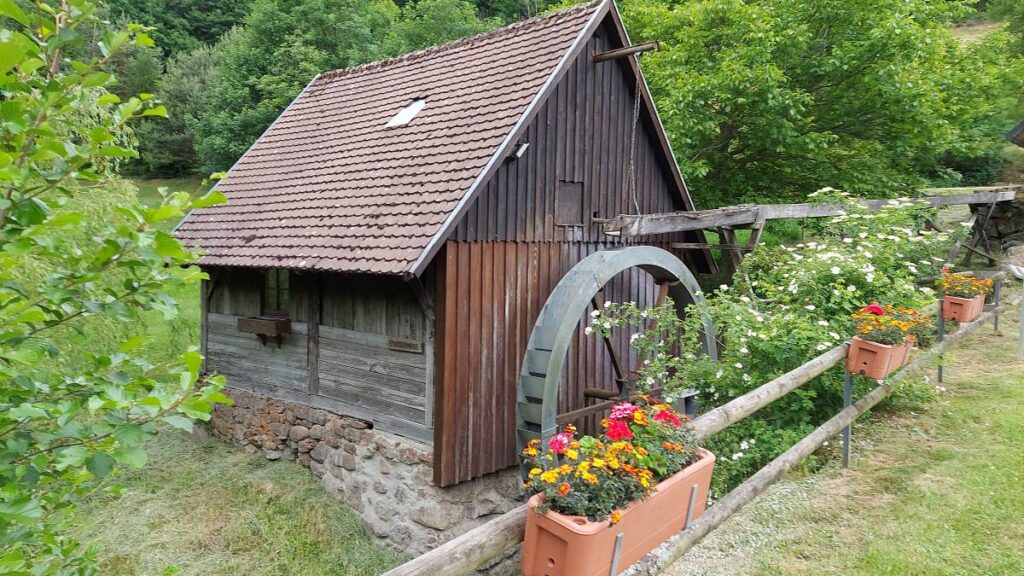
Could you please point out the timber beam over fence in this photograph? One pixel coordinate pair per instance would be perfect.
(747, 215)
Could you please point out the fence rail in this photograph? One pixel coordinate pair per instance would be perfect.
(482, 545)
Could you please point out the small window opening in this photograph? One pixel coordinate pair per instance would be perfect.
(405, 115)
(275, 291)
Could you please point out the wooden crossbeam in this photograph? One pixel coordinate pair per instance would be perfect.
(746, 215)
(623, 52)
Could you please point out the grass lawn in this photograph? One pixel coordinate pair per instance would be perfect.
(210, 509)
(934, 488)
(149, 189)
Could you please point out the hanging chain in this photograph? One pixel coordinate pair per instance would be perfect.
(631, 182)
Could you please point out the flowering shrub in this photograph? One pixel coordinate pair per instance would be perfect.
(887, 324)
(642, 444)
(963, 286)
(787, 305)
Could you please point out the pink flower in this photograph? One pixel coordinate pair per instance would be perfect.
(623, 411)
(559, 442)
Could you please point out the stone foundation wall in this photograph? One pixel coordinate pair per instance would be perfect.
(385, 478)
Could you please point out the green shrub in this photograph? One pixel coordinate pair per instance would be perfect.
(788, 305)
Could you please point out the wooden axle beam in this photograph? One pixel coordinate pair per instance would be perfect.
(623, 52)
(627, 226)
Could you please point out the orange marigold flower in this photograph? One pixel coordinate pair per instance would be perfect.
(616, 517)
(564, 489)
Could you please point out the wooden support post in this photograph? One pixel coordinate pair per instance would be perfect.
(313, 335)
(731, 259)
(940, 324)
(847, 402)
(623, 52)
(204, 310)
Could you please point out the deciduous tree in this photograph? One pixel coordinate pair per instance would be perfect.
(66, 425)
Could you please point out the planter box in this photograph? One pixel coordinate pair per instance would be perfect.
(559, 545)
(266, 327)
(874, 360)
(962, 309)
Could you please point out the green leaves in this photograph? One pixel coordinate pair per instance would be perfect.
(81, 262)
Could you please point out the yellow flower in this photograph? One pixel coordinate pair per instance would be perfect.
(598, 463)
(535, 471)
(572, 454)
(616, 517)
(549, 477)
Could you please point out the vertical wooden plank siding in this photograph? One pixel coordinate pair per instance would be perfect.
(313, 338)
(497, 289)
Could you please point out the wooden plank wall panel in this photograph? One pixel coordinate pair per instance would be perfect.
(249, 364)
(492, 294)
(581, 134)
(372, 305)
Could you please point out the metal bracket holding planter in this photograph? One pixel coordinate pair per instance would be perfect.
(541, 373)
(266, 327)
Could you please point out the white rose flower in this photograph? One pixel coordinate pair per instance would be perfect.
(851, 288)
(810, 307)
(836, 270)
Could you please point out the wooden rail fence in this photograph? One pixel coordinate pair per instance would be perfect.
(482, 545)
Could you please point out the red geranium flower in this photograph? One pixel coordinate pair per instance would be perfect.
(618, 430)
(667, 416)
(875, 309)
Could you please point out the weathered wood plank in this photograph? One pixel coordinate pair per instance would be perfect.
(379, 364)
(313, 339)
(405, 406)
(744, 215)
(374, 380)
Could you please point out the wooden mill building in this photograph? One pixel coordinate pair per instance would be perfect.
(389, 241)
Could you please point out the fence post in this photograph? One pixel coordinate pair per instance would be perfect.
(997, 297)
(847, 401)
(941, 331)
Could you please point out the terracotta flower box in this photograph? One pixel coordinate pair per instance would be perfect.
(962, 309)
(874, 360)
(559, 545)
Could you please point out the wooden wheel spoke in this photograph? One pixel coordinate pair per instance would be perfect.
(597, 302)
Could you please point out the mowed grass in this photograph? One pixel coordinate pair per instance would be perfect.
(149, 188)
(207, 508)
(934, 488)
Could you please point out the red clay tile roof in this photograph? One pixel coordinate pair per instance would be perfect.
(328, 187)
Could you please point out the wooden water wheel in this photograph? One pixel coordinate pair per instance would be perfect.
(537, 409)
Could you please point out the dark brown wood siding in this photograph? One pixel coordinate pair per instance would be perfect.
(580, 136)
(536, 219)
(492, 293)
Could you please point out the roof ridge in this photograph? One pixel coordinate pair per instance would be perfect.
(412, 56)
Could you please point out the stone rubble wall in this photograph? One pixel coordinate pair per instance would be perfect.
(385, 478)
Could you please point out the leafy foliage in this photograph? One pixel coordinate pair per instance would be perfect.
(181, 25)
(788, 305)
(284, 44)
(70, 416)
(773, 99)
